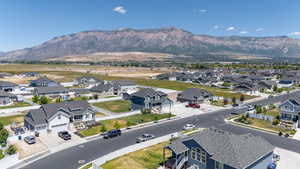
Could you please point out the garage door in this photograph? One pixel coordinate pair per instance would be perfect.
(60, 127)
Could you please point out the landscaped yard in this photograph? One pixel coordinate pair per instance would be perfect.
(123, 123)
(9, 119)
(117, 106)
(99, 114)
(147, 158)
(273, 112)
(18, 104)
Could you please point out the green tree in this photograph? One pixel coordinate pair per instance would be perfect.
(117, 125)
(275, 88)
(44, 100)
(3, 136)
(11, 150)
(58, 100)
(233, 100)
(103, 128)
(35, 99)
(258, 109)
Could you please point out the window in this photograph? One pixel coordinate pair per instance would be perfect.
(87, 116)
(218, 165)
(193, 155)
(199, 155)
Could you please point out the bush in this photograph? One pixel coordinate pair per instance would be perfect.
(58, 100)
(242, 98)
(117, 125)
(3, 136)
(44, 100)
(95, 96)
(1, 154)
(146, 111)
(275, 122)
(35, 99)
(103, 129)
(225, 101)
(233, 100)
(11, 150)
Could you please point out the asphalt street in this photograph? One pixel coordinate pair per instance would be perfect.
(69, 158)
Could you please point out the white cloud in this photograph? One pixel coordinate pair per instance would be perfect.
(203, 10)
(120, 9)
(259, 29)
(294, 34)
(231, 28)
(216, 27)
(244, 32)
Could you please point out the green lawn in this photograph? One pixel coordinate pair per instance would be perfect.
(15, 105)
(87, 166)
(273, 112)
(147, 158)
(117, 106)
(123, 122)
(9, 119)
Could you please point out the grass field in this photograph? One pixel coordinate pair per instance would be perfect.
(123, 122)
(19, 104)
(9, 119)
(117, 106)
(147, 158)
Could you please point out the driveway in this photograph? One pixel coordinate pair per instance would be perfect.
(179, 109)
(51, 140)
(26, 150)
(288, 159)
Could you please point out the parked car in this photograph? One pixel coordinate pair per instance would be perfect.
(189, 127)
(64, 135)
(193, 105)
(235, 105)
(270, 96)
(19, 130)
(30, 139)
(144, 137)
(112, 133)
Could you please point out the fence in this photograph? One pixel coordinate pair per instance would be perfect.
(261, 116)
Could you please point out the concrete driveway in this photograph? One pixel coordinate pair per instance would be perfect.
(51, 140)
(179, 109)
(26, 150)
(288, 159)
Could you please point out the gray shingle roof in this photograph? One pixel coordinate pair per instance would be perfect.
(101, 88)
(123, 83)
(88, 78)
(193, 93)
(5, 94)
(51, 90)
(148, 92)
(7, 84)
(238, 151)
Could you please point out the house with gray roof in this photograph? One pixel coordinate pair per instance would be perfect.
(59, 116)
(43, 82)
(290, 111)
(8, 86)
(194, 95)
(87, 81)
(7, 98)
(103, 89)
(148, 98)
(53, 92)
(124, 86)
(218, 149)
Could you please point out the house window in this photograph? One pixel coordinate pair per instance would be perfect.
(218, 165)
(203, 157)
(199, 155)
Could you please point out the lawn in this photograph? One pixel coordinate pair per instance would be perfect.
(123, 122)
(147, 158)
(267, 125)
(87, 166)
(273, 112)
(18, 104)
(9, 119)
(99, 114)
(117, 106)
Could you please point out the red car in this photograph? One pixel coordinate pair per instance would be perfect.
(193, 105)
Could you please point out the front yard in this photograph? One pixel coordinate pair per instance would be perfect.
(117, 106)
(16, 105)
(122, 123)
(7, 120)
(148, 158)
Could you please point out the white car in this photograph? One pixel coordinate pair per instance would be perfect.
(189, 127)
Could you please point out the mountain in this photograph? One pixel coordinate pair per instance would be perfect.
(165, 40)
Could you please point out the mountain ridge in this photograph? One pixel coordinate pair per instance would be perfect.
(162, 40)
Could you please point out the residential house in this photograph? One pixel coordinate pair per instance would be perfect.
(194, 95)
(172, 76)
(266, 85)
(53, 92)
(103, 89)
(8, 86)
(59, 116)
(5, 74)
(30, 74)
(218, 149)
(246, 87)
(290, 111)
(7, 98)
(149, 98)
(124, 86)
(43, 82)
(285, 82)
(87, 81)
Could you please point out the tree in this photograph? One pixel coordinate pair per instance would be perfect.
(258, 109)
(95, 96)
(103, 128)
(44, 100)
(58, 100)
(117, 125)
(3, 136)
(11, 150)
(242, 98)
(275, 88)
(35, 99)
(233, 100)
(1, 126)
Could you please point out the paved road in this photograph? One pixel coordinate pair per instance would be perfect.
(68, 159)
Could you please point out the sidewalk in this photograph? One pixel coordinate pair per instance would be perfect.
(297, 135)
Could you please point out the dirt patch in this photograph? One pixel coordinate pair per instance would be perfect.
(25, 150)
(17, 79)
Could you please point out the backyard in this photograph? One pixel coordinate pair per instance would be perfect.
(117, 106)
(7, 120)
(122, 123)
(148, 158)
(16, 105)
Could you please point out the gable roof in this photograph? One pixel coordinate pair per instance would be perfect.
(148, 92)
(238, 151)
(5, 94)
(192, 93)
(43, 80)
(101, 88)
(51, 90)
(119, 83)
(7, 84)
(89, 78)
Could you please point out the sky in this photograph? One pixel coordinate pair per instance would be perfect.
(26, 23)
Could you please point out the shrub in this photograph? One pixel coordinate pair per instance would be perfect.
(35, 99)
(95, 96)
(44, 100)
(146, 111)
(3, 136)
(233, 100)
(58, 100)
(275, 122)
(242, 98)
(1, 154)
(225, 101)
(103, 128)
(117, 125)
(11, 150)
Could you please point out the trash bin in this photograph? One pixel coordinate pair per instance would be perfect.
(20, 137)
(37, 134)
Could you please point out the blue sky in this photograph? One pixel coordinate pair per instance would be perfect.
(25, 23)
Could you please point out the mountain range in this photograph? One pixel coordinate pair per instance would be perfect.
(171, 40)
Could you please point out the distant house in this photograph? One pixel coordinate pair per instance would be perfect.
(148, 98)
(8, 86)
(53, 91)
(290, 110)
(7, 98)
(194, 95)
(103, 90)
(43, 82)
(5, 74)
(246, 87)
(87, 81)
(30, 74)
(59, 116)
(266, 84)
(123, 86)
(172, 76)
(218, 149)
(285, 82)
